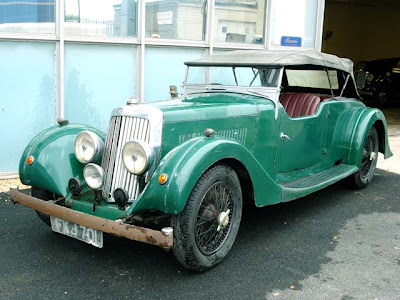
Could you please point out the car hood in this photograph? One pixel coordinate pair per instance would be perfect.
(208, 106)
(233, 116)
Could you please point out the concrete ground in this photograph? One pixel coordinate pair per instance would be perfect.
(338, 243)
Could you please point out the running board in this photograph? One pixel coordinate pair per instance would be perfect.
(309, 184)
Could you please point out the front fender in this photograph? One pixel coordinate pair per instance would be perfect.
(54, 158)
(368, 118)
(185, 164)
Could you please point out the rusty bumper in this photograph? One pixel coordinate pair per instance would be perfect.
(150, 236)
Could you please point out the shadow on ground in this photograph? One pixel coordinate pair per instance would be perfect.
(277, 246)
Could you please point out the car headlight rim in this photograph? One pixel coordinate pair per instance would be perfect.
(94, 176)
(97, 149)
(144, 156)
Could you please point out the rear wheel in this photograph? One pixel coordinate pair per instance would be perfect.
(368, 161)
(43, 195)
(207, 227)
(381, 96)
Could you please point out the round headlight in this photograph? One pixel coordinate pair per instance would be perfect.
(88, 147)
(94, 176)
(137, 156)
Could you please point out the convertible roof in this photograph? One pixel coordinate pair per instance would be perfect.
(278, 58)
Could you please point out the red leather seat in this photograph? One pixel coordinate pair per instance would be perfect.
(299, 104)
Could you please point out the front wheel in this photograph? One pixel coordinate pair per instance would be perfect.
(368, 161)
(206, 229)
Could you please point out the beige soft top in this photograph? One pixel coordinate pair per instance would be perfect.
(274, 58)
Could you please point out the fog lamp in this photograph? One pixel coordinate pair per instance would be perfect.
(94, 176)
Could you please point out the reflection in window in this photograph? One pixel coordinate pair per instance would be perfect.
(27, 16)
(114, 18)
(303, 19)
(239, 21)
(180, 19)
(233, 76)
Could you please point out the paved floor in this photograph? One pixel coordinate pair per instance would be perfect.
(335, 244)
(338, 243)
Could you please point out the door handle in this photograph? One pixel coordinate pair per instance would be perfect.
(284, 136)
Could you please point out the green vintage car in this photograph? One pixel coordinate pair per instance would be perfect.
(259, 127)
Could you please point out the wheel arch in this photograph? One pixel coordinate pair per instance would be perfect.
(246, 184)
(53, 150)
(368, 118)
(186, 163)
(380, 128)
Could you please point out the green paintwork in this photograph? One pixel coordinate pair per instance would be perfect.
(323, 149)
(55, 162)
(86, 202)
(187, 162)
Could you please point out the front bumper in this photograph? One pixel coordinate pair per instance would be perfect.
(132, 232)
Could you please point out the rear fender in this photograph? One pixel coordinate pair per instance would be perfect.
(368, 118)
(54, 158)
(185, 164)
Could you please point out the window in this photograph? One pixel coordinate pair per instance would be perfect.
(239, 76)
(293, 23)
(181, 19)
(313, 79)
(114, 18)
(239, 21)
(34, 16)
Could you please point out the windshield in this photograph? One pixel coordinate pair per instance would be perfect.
(233, 76)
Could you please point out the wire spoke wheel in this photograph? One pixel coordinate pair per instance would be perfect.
(210, 230)
(369, 160)
(206, 229)
(368, 155)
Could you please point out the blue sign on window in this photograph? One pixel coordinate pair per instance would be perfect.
(291, 41)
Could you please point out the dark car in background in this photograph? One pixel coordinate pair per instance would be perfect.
(379, 79)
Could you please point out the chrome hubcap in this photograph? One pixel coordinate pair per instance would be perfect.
(223, 219)
(372, 156)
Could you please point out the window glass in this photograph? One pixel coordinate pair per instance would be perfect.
(114, 18)
(240, 76)
(36, 16)
(181, 19)
(293, 23)
(312, 78)
(239, 21)
(98, 78)
(27, 104)
(165, 67)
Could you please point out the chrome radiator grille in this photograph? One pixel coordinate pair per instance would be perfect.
(121, 130)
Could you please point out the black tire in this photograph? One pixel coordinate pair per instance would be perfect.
(43, 195)
(381, 96)
(364, 175)
(198, 244)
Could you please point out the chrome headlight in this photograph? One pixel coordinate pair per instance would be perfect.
(94, 176)
(137, 157)
(88, 147)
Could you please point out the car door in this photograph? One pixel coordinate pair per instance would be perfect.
(301, 142)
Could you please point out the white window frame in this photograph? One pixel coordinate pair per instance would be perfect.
(141, 42)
